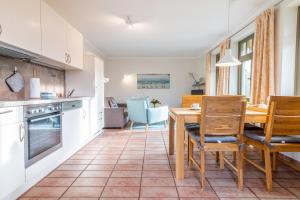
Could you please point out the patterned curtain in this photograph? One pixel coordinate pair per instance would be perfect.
(263, 72)
(223, 73)
(207, 73)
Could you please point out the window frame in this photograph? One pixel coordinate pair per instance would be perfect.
(218, 57)
(244, 58)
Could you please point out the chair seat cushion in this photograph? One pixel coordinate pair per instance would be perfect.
(192, 126)
(258, 135)
(212, 139)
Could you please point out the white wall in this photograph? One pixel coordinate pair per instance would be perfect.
(179, 68)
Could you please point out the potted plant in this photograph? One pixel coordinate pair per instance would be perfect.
(155, 102)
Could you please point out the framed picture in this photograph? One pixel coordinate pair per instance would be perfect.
(153, 81)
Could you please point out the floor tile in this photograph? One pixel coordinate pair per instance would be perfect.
(71, 167)
(100, 167)
(90, 182)
(148, 167)
(65, 174)
(159, 192)
(126, 174)
(104, 161)
(276, 193)
(95, 174)
(121, 192)
(195, 192)
(233, 192)
(124, 182)
(126, 167)
(165, 174)
(83, 192)
(77, 162)
(56, 182)
(158, 182)
(45, 192)
(295, 191)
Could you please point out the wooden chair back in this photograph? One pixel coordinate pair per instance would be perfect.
(222, 116)
(188, 100)
(283, 116)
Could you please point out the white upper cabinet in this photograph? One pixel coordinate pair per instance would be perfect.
(20, 23)
(53, 34)
(74, 47)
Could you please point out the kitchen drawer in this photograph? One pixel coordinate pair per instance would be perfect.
(11, 115)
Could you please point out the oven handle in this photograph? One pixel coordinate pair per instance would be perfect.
(22, 132)
(42, 118)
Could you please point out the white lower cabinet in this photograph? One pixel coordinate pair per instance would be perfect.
(12, 161)
(85, 121)
(71, 130)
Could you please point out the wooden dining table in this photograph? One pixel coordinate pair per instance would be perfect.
(179, 116)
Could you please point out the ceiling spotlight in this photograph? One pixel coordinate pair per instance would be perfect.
(129, 22)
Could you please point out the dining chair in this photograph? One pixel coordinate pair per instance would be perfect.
(283, 124)
(221, 129)
(188, 100)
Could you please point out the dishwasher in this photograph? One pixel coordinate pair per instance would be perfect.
(71, 122)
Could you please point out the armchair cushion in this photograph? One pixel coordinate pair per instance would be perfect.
(158, 114)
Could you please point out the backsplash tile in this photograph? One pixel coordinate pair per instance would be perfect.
(51, 79)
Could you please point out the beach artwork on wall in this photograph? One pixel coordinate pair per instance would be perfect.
(153, 81)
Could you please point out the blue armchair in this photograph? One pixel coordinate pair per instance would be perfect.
(139, 111)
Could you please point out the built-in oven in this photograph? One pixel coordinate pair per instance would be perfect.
(43, 125)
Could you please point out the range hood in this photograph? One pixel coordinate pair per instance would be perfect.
(11, 51)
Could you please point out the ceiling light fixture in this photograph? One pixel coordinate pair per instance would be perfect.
(129, 22)
(228, 59)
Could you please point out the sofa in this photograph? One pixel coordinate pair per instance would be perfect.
(115, 114)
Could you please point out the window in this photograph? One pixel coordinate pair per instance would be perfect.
(217, 70)
(245, 70)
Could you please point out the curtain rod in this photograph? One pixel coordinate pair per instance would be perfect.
(245, 26)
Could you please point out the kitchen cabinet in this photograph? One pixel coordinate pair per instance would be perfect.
(85, 130)
(53, 34)
(90, 82)
(12, 161)
(60, 40)
(74, 47)
(20, 24)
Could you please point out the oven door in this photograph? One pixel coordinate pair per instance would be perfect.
(43, 136)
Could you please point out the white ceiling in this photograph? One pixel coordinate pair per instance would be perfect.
(165, 28)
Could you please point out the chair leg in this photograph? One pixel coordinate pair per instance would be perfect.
(202, 165)
(274, 161)
(146, 128)
(221, 159)
(262, 156)
(190, 151)
(234, 156)
(217, 156)
(131, 125)
(245, 154)
(240, 168)
(268, 168)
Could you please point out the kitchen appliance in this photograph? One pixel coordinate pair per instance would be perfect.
(43, 131)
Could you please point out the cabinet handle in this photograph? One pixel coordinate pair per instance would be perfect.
(22, 133)
(84, 114)
(0, 29)
(66, 57)
(5, 112)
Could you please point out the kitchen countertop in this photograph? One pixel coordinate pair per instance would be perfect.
(14, 103)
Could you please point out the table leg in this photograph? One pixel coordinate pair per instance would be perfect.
(171, 136)
(179, 147)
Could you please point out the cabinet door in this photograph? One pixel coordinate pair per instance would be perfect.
(85, 121)
(74, 47)
(21, 24)
(53, 34)
(12, 162)
(71, 130)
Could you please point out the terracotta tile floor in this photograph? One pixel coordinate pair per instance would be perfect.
(120, 164)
